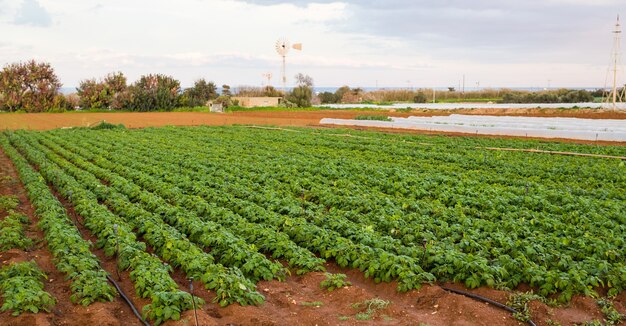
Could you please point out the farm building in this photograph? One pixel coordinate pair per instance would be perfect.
(251, 102)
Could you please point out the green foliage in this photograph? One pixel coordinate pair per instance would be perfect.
(22, 289)
(312, 304)
(169, 306)
(301, 96)
(328, 98)
(8, 202)
(373, 117)
(225, 100)
(152, 93)
(371, 307)
(559, 96)
(12, 232)
(519, 302)
(405, 208)
(611, 315)
(198, 95)
(71, 252)
(29, 86)
(103, 94)
(103, 125)
(420, 97)
(334, 281)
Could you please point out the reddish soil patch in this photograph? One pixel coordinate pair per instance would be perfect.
(44, 121)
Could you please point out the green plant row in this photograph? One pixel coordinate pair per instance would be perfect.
(554, 222)
(149, 275)
(228, 249)
(373, 117)
(229, 283)
(265, 238)
(71, 252)
(375, 262)
(12, 234)
(23, 290)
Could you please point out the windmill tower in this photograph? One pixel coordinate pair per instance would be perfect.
(282, 47)
(616, 95)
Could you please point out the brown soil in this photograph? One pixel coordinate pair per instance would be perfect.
(44, 121)
(287, 303)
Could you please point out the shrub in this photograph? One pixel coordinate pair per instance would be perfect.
(199, 94)
(334, 281)
(30, 86)
(152, 93)
(101, 94)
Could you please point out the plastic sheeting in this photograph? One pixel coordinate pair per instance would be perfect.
(451, 106)
(570, 128)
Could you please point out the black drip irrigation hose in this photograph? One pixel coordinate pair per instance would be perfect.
(130, 304)
(481, 298)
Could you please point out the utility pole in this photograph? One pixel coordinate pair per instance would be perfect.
(615, 95)
(463, 90)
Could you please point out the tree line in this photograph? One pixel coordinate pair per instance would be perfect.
(345, 94)
(34, 87)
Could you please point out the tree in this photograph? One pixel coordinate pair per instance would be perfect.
(304, 80)
(302, 94)
(419, 97)
(226, 90)
(200, 93)
(152, 93)
(340, 92)
(102, 94)
(30, 86)
(328, 98)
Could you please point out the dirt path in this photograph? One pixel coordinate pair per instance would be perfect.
(44, 121)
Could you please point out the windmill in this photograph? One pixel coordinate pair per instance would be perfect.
(282, 47)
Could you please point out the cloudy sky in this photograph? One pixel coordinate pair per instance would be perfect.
(416, 43)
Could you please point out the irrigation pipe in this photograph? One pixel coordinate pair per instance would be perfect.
(130, 304)
(481, 298)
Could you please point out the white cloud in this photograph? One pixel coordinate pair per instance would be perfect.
(502, 43)
(33, 14)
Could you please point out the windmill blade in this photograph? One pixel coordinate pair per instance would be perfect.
(297, 46)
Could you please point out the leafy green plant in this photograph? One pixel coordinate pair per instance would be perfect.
(105, 125)
(334, 281)
(22, 289)
(611, 315)
(8, 202)
(169, 306)
(12, 232)
(371, 307)
(519, 302)
(373, 117)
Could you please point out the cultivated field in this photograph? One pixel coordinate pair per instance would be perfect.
(257, 216)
